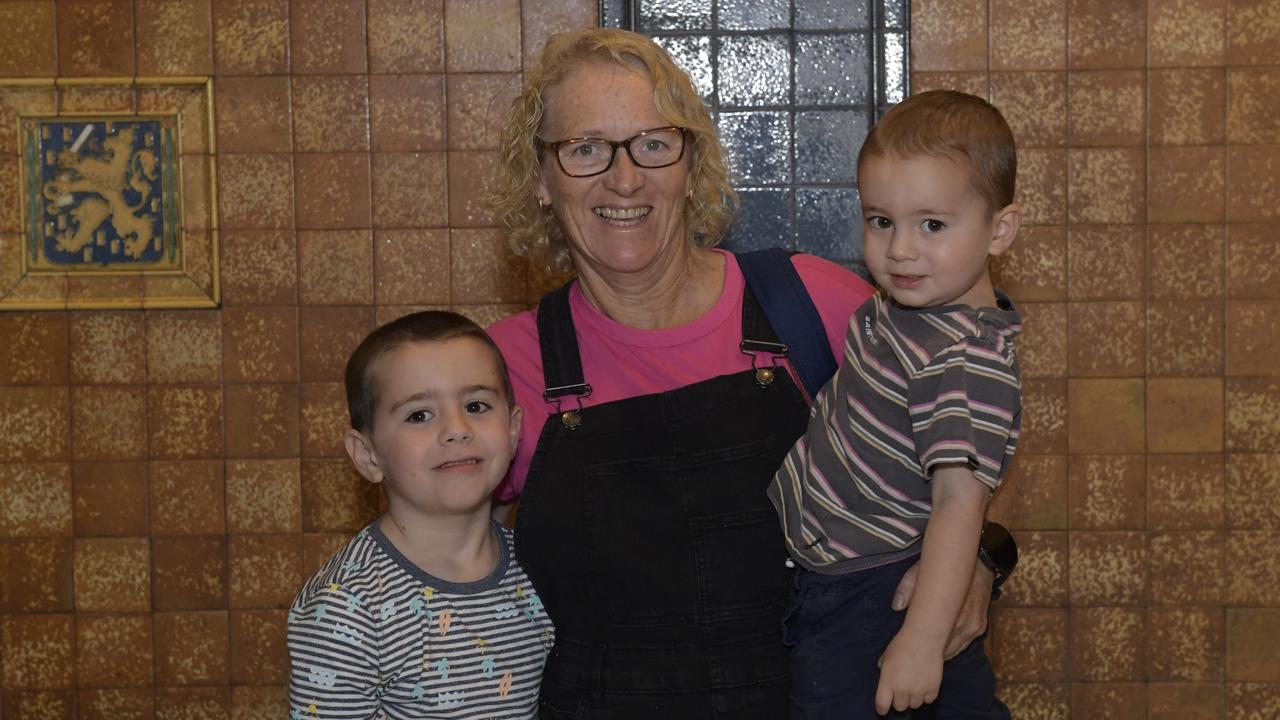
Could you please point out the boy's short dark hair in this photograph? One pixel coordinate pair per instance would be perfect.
(426, 326)
(961, 127)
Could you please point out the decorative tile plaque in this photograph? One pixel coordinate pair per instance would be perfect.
(115, 191)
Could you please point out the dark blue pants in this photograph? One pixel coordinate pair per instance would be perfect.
(839, 625)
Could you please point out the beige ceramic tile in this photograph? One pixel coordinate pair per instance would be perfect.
(331, 113)
(1042, 572)
(411, 267)
(974, 83)
(410, 190)
(1035, 267)
(1253, 262)
(1251, 655)
(1108, 568)
(1108, 700)
(264, 496)
(335, 267)
(255, 191)
(406, 36)
(259, 267)
(1186, 700)
(1107, 185)
(110, 498)
(174, 37)
(91, 34)
(1034, 104)
(261, 344)
(1184, 415)
(1186, 32)
(1186, 261)
(1253, 414)
(1029, 644)
(27, 36)
(184, 422)
(1044, 416)
(1042, 186)
(265, 570)
(324, 419)
(1254, 576)
(1107, 108)
(39, 650)
(1184, 337)
(251, 37)
(36, 575)
(192, 648)
(187, 497)
(1107, 262)
(335, 498)
(35, 424)
(1186, 568)
(35, 499)
(109, 422)
(258, 655)
(1108, 339)
(1106, 33)
(1252, 193)
(1187, 106)
(1107, 415)
(262, 422)
(478, 108)
(482, 38)
(35, 349)
(1108, 644)
(113, 650)
(1253, 331)
(472, 176)
(254, 114)
(1185, 492)
(1186, 185)
(1034, 496)
(1253, 30)
(184, 347)
(329, 37)
(328, 336)
(949, 35)
(333, 191)
(407, 112)
(1108, 492)
(1028, 35)
(1253, 491)
(113, 574)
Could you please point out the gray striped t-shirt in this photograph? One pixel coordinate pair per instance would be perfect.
(374, 636)
(919, 387)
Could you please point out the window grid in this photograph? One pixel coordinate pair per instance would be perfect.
(792, 144)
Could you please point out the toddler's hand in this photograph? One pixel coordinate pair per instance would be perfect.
(910, 673)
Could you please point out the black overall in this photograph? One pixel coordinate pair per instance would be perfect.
(648, 534)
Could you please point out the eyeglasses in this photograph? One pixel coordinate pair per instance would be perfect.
(584, 157)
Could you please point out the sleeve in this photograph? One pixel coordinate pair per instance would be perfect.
(517, 338)
(965, 408)
(333, 669)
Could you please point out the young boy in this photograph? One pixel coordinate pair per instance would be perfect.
(914, 431)
(425, 613)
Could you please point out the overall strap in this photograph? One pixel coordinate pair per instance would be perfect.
(791, 312)
(561, 362)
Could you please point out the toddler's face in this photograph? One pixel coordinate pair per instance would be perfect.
(443, 431)
(927, 231)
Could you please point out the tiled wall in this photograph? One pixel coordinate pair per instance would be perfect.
(167, 479)
(1148, 493)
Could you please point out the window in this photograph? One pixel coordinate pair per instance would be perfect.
(794, 86)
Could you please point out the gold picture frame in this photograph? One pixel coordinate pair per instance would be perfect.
(108, 194)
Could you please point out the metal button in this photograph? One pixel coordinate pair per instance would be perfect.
(571, 419)
(764, 377)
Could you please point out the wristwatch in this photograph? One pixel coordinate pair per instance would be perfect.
(998, 551)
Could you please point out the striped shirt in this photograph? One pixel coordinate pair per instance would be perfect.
(374, 636)
(918, 387)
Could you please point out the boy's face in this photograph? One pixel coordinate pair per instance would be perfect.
(928, 232)
(443, 432)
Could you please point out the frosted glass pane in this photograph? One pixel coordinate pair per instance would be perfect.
(759, 146)
(754, 70)
(693, 54)
(833, 14)
(827, 144)
(895, 68)
(658, 15)
(894, 13)
(829, 223)
(764, 220)
(754, 14)
(833, 70)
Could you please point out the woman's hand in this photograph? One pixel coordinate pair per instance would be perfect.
(972, 620)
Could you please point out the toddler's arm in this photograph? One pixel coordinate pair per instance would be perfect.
(911, 668)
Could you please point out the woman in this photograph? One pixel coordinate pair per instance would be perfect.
(649, 437)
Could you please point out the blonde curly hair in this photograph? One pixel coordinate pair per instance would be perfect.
(535, 232)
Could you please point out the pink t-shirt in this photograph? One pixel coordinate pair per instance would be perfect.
(620, 362)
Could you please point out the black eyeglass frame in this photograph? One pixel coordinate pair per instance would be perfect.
(554, 147)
